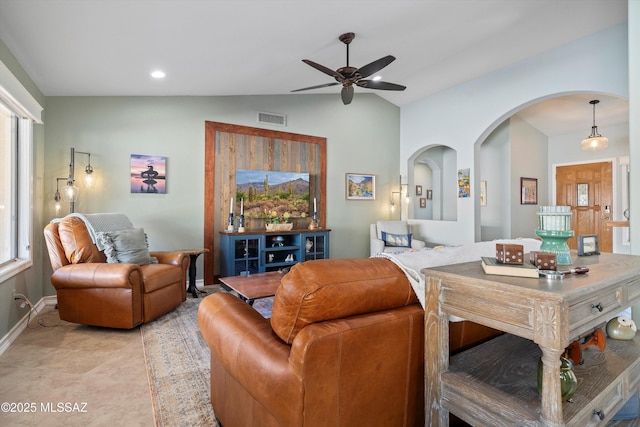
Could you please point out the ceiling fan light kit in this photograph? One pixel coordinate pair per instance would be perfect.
(348, 76)
(595, 141)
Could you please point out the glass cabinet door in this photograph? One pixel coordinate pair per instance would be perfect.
(316, 246)
(246, 259)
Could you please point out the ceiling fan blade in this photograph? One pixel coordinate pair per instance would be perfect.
(316, 86)
(377, 84)
(324, 69)
(375, 66)
(347, 94)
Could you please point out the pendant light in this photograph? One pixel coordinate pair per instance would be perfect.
(595, 141)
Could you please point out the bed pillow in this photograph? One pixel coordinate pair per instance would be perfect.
(398, 240)
(126, 246)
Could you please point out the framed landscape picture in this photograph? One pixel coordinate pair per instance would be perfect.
(360, 186)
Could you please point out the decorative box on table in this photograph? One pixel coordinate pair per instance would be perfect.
(543, 260)
(509, 253)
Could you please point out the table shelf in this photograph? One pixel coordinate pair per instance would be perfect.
(506, 369)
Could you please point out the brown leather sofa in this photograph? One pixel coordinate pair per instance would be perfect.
(344, 347)
(91, 291)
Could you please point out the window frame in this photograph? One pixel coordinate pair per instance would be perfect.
(22, 169)
(17, 99)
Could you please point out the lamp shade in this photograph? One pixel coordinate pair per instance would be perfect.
(596, 142)
(70, 192)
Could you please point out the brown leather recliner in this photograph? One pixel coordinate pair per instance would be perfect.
(91, 291)
(344, 347)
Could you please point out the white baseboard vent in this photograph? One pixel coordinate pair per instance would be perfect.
(272, 118)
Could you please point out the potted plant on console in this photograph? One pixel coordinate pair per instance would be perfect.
(277, 222)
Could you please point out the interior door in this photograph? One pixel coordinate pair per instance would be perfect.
(587, 188)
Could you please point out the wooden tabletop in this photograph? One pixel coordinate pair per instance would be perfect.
(193, 251)
(259, 285)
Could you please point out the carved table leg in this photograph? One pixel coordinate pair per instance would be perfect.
(436, 355)
(551, 391)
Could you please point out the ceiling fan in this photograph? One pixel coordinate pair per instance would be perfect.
(347, 76)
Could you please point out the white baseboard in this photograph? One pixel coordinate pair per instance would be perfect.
(15, 332)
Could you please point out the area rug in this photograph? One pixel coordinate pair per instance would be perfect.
(178, 360)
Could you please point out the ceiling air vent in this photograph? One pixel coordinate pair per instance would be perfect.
(272, 119)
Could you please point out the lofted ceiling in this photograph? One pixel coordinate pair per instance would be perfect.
(256, 47)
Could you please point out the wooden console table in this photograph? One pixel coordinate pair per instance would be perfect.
(496, 383)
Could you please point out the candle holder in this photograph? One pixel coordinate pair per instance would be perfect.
(230, 223)
(241, 224)
(313, 225)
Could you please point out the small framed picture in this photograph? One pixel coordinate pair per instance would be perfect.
(360, 186)
(423, 202)
(464, 183)
(148, 174)
(429, 194)
(418, 190)
(588, 245)
(528, 191)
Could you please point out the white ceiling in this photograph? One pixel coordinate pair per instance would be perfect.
(255, 47)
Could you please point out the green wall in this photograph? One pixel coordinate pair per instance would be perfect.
(362, 137)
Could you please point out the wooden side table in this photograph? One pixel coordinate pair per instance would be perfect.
(495, 383)
(193, 256)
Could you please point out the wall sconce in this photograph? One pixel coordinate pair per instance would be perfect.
(70, 191)
(399, 193)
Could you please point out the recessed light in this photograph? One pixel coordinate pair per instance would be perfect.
(158, 74)
(376, 78)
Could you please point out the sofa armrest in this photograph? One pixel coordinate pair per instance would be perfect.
(179, 259)
(176, 258)
(417, 244)
(242, 341)
(376, 246)
(97, 275)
